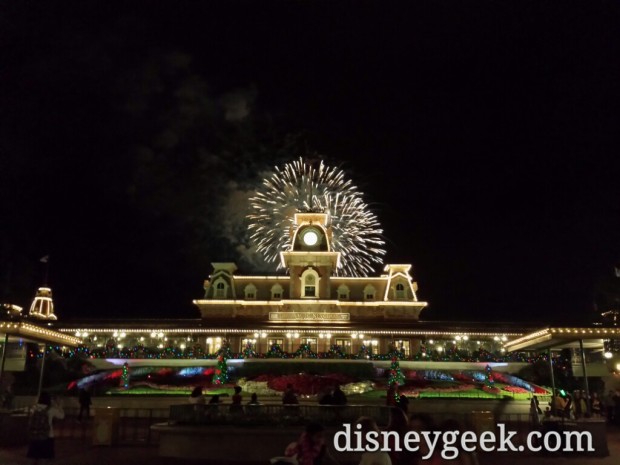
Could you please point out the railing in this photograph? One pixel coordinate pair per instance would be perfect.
(134, 425)
(274, 414)
(282, 415)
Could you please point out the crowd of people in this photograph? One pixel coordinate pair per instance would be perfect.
(311, 447)
(41, 428)
(236, 406)
(578, 405)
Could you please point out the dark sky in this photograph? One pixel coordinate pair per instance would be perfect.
(484, 134)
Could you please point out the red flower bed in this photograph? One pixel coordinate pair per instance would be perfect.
(304, 383)
(409, 391)
(516, 390)
(539, 390)
(491, 390)
(463, 378)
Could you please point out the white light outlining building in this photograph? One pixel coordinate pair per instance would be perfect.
(43, 306)
(309, 305)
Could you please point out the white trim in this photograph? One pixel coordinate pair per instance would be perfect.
(343, 303)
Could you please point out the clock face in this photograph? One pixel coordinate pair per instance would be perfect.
(310, 238)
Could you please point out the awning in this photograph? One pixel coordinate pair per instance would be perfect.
(562, 338)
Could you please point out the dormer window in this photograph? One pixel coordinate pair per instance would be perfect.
(309, 283)
(343, 292)
(250, 292)
(369, 292)
(276, 292)
(400, 291)
(220, 289)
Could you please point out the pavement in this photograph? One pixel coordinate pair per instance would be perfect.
(81, 452)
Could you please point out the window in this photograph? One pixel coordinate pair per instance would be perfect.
(250, 292)
(344, 344)
(311, 343)
(276, 292)
(278, 342)
(220, 289)
(403, 346)
(343, 292)
(310, 286)
(400, 291)
(310, 281)
(247, 344)
(369, 292)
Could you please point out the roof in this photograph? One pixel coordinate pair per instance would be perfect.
(37, 333)
(562, 338)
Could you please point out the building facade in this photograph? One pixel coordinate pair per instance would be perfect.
(307, 312)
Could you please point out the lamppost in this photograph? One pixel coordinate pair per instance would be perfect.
(11, 313)
(610, 346)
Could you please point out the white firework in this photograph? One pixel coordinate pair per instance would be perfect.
(300, 187)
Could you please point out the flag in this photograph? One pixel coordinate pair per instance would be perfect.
(45, 259)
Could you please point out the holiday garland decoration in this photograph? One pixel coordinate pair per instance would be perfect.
(275, 352)
(364, 352)
(335, 351)
(140, 352)
(305, 351)
(249, 351)
(225, 351)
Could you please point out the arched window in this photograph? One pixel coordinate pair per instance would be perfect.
(369, 292)
(250, 292)
(310, 283)
(400, 291)
(343, 292)
(220, 289)
(276, 292)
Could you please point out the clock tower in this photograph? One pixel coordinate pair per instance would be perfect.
(310, 258)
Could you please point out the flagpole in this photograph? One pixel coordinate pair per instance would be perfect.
(46, 261)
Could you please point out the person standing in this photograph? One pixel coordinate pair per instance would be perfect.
(391, 398)
(290, 401)
(608, 404)
(399, 424)
(616, 401)
(253, 407)
(196, 397)
(339, 397)
(558, 404)
(236, 407)
(289, 396)
(85, 403)
(367, 425)
(310, 448)
(535, 412)
(41, 430)
(595, 406)
(403, 403)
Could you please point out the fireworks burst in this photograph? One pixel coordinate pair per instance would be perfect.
(301, 187)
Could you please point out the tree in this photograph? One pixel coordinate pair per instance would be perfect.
(221, 371)
(489, 377)
(396, 377)
(125, 376)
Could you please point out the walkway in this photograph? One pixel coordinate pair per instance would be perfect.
(77, 452)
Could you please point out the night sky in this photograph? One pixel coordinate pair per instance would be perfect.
(485, 136)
